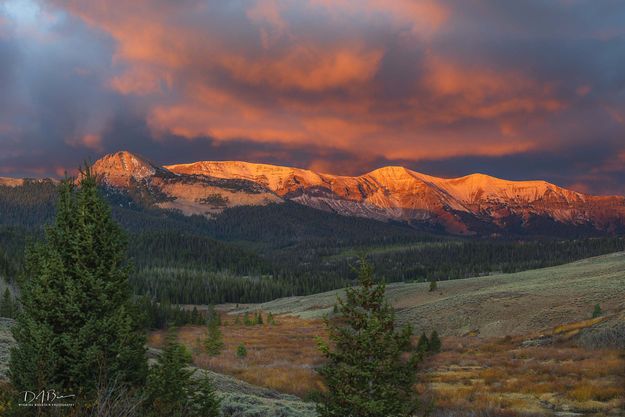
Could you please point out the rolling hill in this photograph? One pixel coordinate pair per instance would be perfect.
(496, 305)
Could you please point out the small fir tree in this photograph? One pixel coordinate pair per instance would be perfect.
(241, 351)
(423, 345)
(205, 402)
(259, 318)
(270, 319)
(172, 391)
(214, 343)
(195, 316)
(597, 311)
(433, 285)
(435, 343)
(370, 370)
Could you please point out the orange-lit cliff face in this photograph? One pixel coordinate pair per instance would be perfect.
(463, 205)
(188, 194)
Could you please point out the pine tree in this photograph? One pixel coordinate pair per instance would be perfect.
(259, 318)
(241, 351)
(7, 306)
(433, 285)
(78, 327)
(423, 345)
(270, 319)
(367, 373)
(246, 319)
(168, 380)
(597, 311)
(214, 342)
(195, 316)
(205, 402)
(435, 343)
(172, 390)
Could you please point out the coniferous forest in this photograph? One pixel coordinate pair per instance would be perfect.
(255, 254)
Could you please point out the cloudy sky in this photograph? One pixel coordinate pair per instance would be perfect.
(516, 89)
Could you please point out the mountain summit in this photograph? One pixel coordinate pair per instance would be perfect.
(471, 204)
(122, 168)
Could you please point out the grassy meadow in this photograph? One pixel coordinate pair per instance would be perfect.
(502, 375)
(527, 345)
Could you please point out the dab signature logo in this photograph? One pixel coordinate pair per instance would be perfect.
(46, 398)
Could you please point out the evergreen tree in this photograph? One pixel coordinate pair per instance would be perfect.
(259, 318)
(205, 402)
(241, 351)
(433, 285)
(435, 343)
(168, 380)
(367, 372)
(7, 306)
(172, 391)
(246, 319)
(270, 319)
(214, 342)
(213, 316)
(597, 311)
(423, 345)
(78, 326)
(195, 316)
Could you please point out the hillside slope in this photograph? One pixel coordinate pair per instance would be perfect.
(497, 305)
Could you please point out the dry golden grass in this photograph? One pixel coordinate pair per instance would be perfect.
(280, 356)
(470, 373)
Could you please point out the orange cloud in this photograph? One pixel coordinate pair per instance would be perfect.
(484, 93)
(276, 77)
(306, 67)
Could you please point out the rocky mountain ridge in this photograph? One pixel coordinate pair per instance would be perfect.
(475, 203)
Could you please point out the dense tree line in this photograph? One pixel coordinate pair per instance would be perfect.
(160, 315)
(195, 286)
(464, 259)
(166, 249)
(29, 205)
(254, 254)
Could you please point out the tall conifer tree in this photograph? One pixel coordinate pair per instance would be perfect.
(77, 328)
(371, 367)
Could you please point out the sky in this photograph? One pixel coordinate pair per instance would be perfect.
(529, 89)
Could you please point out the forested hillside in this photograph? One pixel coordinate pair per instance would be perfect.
(254, 254)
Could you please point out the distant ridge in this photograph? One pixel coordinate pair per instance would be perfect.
(471, 204)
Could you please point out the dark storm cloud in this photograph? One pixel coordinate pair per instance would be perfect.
(520, 90)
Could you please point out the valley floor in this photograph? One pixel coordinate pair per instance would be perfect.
(514, 344)
(507, 375)
(521, 344)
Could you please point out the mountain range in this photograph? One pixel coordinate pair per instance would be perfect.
(469, 205)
